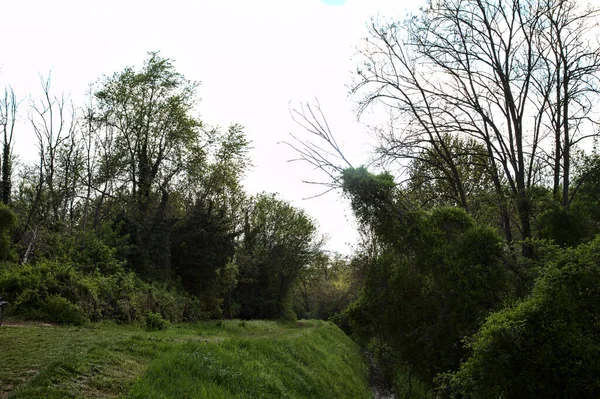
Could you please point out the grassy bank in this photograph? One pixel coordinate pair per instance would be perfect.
(229, 359)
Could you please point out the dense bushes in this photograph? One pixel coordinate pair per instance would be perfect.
(548, 345)
(59, 292)
(431, 277)
(422, 301)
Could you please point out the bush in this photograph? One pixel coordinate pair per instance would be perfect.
(121, 296)
(155, 322)
(31, 304)
(60, 310)
(548, 345)
(429, 289)
(84, 250)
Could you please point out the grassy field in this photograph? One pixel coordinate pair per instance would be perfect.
(229, 359)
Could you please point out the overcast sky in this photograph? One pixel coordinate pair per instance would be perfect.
(252, 58)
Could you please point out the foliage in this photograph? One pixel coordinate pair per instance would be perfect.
(326, 287)
(156, 139)
(433, 277)
(202, 245)
(155, 322)
(547, 345)
(39, 291)
(86, 251)
(60, 310)
(279, 242)
(430, 185)
(8, 221)
(566, 227)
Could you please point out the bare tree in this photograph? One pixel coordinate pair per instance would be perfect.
(8, 118)
(473, 68)
(568, 84)
(54, 123)
(321, 149)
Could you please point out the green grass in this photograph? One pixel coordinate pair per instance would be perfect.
(410, 386)
(229, 359)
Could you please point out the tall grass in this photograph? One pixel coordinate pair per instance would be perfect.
(318, 362)
(219, 359)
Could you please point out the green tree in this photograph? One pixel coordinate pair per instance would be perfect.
(430, 185)
(203, 241)
(203, 244)
(8, 221)
(8, 119)
(156, 139)
(430, 279)
(279, 241)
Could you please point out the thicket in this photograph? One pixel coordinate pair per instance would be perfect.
(546, 345)
(135, 211)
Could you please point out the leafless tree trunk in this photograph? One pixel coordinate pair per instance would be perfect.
(571, 87)
(8, 118)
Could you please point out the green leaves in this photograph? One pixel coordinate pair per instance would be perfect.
(151, 112)
(279, 241)
(547, 345)
(431, 276)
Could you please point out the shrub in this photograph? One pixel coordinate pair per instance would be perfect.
(121, 296)
(548, 345)
(60, 310)
(429, 289)
(155, 322)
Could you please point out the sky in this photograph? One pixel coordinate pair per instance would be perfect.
(254, 59)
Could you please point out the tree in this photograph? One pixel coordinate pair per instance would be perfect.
(156, 138)
(156, 134)
(204, 240)
(428, 184)
(431, 277)
(567, 83)
(8, 221)
(55, 125)
(471, 68)
(48, 191)
(279, 241)
(203, 244)
(8, 118)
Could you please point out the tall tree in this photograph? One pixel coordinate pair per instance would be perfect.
(156, 138)
(151, 112)
(469, 68)
(8, 118)
(55, 125)
(568, 84)
(279, 241)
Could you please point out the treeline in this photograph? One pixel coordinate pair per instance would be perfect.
(135, 211)
(480, 237)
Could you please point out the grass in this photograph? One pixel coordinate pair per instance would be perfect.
(229, 359)
(410, 386)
